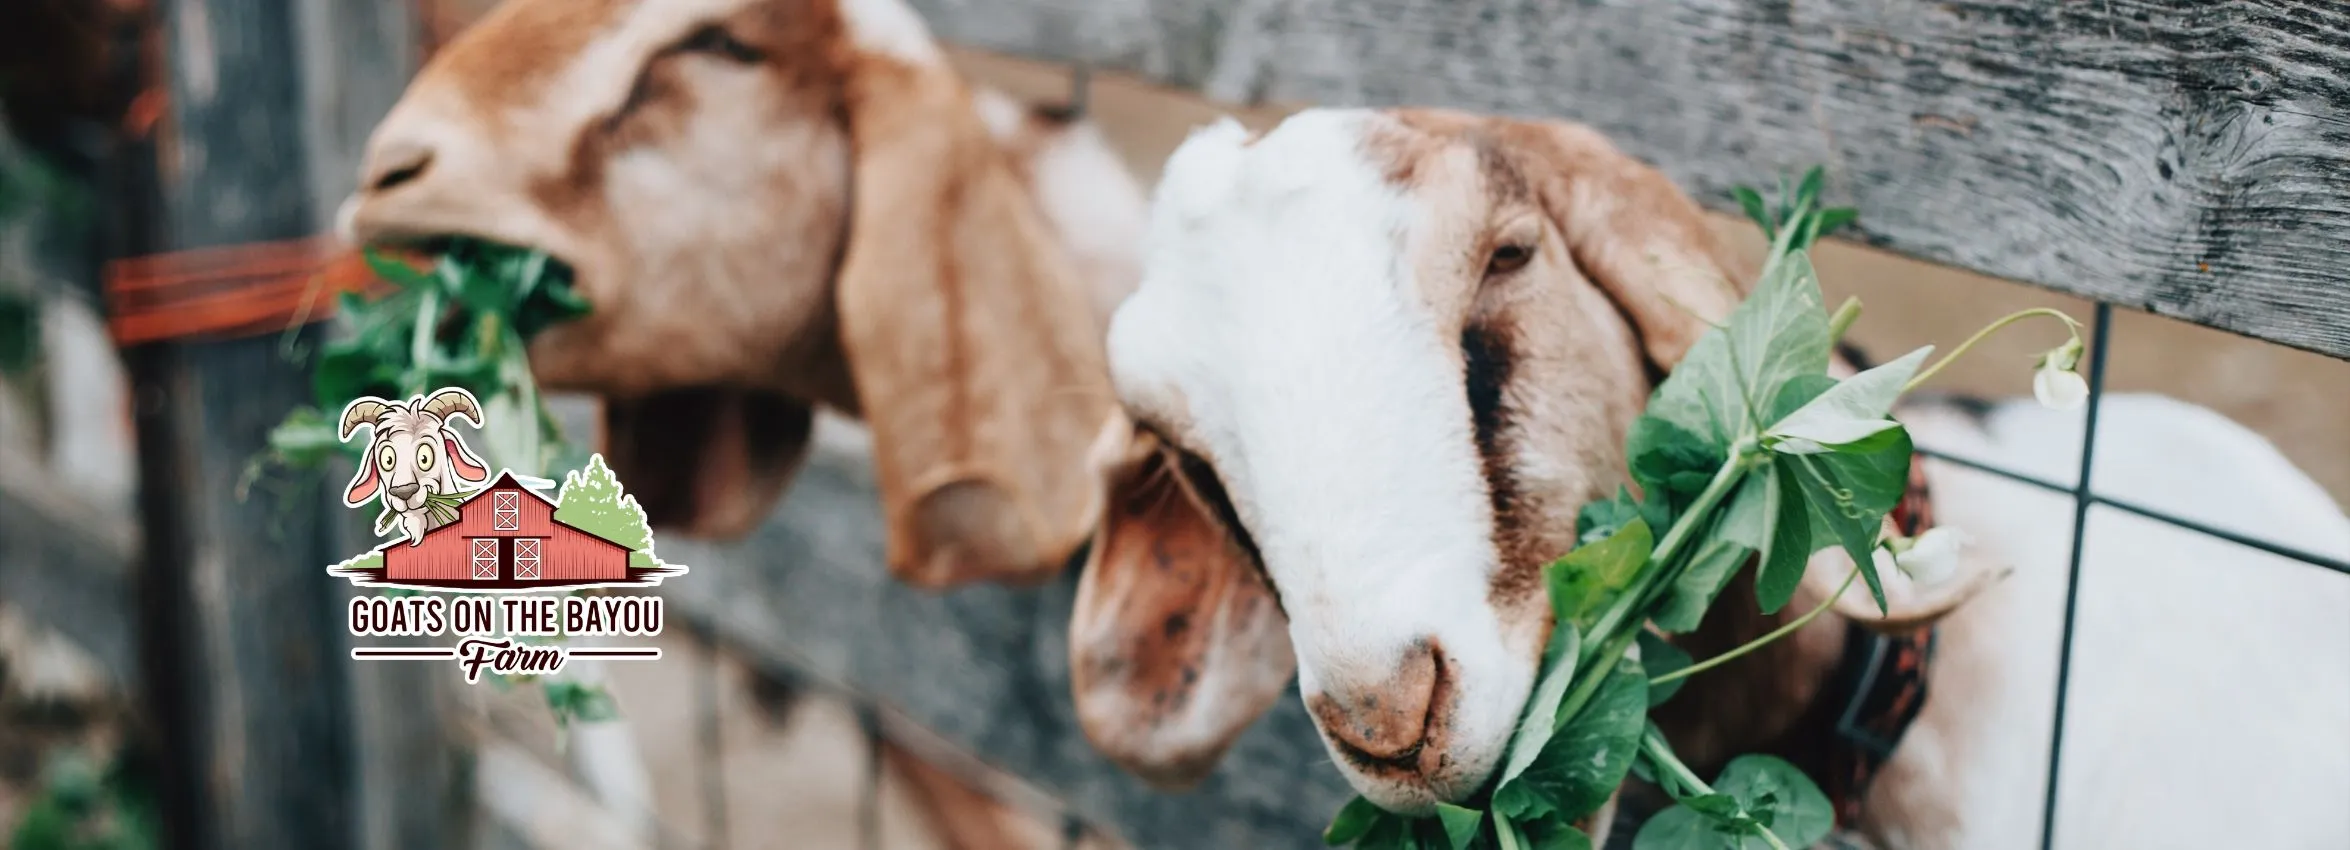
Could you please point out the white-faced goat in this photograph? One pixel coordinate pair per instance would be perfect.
(1377, 362)
(414, 459)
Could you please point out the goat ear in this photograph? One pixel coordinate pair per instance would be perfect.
(1177, 644)
(363, 485)
(1638, 237)
(706, 461)
(461, 456)
(972, 343)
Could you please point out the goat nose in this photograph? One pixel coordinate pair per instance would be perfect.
(396, 162)
(1387, 720)
(402, 491)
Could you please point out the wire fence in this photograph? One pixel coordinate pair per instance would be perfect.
(2085, 496)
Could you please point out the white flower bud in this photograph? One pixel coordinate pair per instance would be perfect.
(1933, 558)
(2059, 389)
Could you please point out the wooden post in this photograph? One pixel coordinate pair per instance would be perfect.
(244, 652)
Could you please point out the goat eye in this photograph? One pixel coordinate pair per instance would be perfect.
(716, 41)
(1509, 258)
(383, 459)
(424, 456)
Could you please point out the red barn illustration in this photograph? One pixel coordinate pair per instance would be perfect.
(506, 535)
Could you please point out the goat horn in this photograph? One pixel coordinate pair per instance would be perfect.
(451, 401)
(361, 412)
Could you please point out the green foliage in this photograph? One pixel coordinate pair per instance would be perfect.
(81, 807)
(592, 501)
(466, 323)
(1750, 453)
(20, 333)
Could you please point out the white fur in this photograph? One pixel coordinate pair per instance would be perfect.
(1097, 207)
(891, 28)
(2210, 691)
(1276, 334)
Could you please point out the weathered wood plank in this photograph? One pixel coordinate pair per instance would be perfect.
(2186, 157)
(986, 668)
(243, 645)
(67, 565)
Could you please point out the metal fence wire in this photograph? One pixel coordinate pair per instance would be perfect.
(2085, 496)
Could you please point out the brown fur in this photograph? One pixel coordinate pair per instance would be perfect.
(705, 199)
(1176, 643)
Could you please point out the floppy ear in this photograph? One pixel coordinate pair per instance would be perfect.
(1176, 644)
(977, 361)
(363, 485)
(461, 456)
(1632, 231)
(706, 461)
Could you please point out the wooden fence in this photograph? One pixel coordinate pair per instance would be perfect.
(2183, 157)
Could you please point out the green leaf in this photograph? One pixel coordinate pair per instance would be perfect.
(1834, 219)
(1790, 548)
(576, 701)
(1855, 408)
(1850, 493)
(1353, 822)
(1779, 333)
(1582, 582)
(1668, 458)
(1695, 588)
(395, 272)
(305, 439)
(1541, 718)
(1659, 657)
(1460, 824)
(1603, 517)
(1389, 833)
(1588, 757)
(1779, 797)
(1746, 517)
(1682, 828)
(1807, 194)
(1751, 201)
(1557, 834)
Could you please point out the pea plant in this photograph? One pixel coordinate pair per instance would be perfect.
(1749, 453)
(464, 321)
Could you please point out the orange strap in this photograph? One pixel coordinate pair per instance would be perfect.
(231, 291)
(244, 290)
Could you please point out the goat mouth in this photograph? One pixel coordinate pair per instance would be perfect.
(533, 286)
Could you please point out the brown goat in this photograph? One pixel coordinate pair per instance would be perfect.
(780, 205)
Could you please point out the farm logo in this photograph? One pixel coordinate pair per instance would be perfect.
(491, 540)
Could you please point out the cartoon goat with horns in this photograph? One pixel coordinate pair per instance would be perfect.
(415, 459)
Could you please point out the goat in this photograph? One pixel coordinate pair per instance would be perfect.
(1379, 359)
(412, 456)
(776, 205)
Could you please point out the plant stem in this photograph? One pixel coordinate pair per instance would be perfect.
(2009, 319)
(1759, 642)
(428, 310)
(1842, 319)
(1659, 752)
(1619, 625)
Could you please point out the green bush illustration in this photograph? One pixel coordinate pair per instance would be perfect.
(591, 500)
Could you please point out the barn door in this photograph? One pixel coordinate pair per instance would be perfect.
(526, 559)
(485, 559)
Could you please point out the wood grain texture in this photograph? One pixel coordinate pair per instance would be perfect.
(2186, 157)
(271, 737)
(67, 565)
(985, 668)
